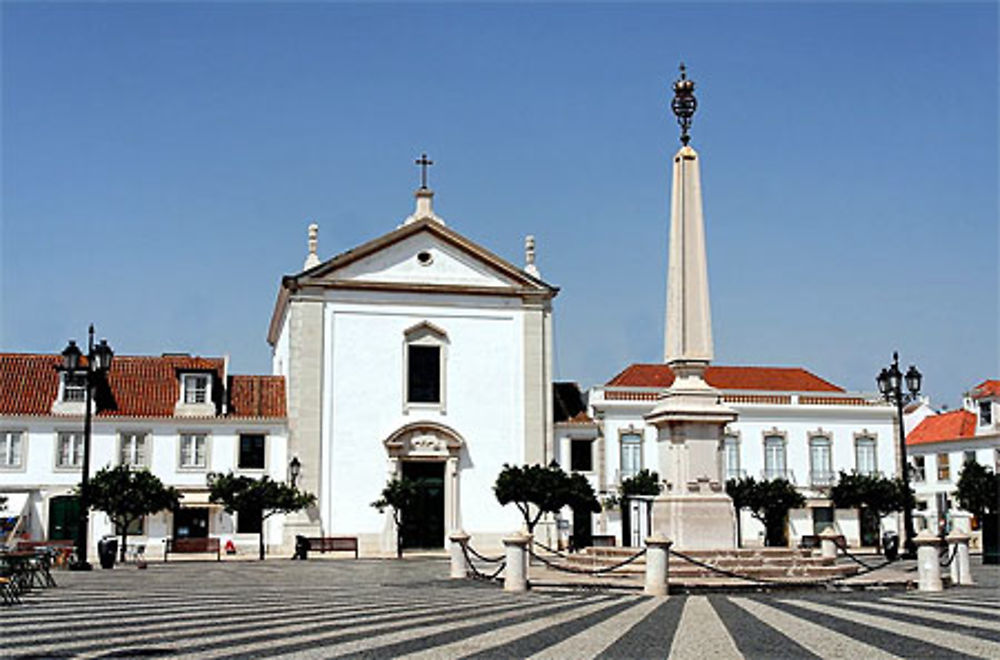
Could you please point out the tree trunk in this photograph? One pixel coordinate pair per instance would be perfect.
(121, 551)
(399, 538)
(260, 538)
(739, 530)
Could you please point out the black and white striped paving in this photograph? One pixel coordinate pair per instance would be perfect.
(394, 609)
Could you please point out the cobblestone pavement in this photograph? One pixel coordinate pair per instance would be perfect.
(389, 609)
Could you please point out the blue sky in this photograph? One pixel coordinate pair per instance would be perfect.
(161, 162)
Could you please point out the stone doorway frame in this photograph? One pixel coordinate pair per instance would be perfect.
(426, 441)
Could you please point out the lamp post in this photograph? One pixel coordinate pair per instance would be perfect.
(890, 383)
(294, 469)
(98, 362)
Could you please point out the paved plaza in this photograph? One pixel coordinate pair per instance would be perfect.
(389, 609)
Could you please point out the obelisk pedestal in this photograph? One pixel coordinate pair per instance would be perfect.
(693, 510)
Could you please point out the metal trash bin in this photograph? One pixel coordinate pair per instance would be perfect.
(107, 548)
(301, 547)
(890, 545)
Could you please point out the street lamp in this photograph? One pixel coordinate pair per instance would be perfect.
(294, 469)
(98, 362)
(890, 383)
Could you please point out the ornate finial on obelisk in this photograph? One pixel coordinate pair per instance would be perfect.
(312, 259)
(529, 257)
(684, 103)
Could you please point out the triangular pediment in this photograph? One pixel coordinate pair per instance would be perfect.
(422, 255)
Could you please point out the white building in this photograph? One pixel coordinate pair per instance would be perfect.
(418, 354)
(179, 416)
(941, 445)
(792, 424)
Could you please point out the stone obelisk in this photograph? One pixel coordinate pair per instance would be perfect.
(693, 510)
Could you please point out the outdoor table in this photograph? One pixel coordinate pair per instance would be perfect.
(27, 569)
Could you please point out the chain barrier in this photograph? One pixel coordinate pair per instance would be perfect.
(867, 567)
(475, 572)
(557, 553)
(721, 571)
(762, 580)
(489, 560)
(947, 562)
(586, 571)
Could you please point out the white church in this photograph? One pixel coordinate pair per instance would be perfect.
(419, 354)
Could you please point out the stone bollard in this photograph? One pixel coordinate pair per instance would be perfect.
(459, 565)
(928, 558)
(960, 568)
(516, 572)
(828, 543)
(657, 553)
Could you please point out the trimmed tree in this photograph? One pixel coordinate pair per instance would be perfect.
(127, 495)
(978, 490)
(547, 489)
(642, 482)
(399, 495)
(873, 495)
(262, 497)
(769, 502)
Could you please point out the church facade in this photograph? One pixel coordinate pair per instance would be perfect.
(419, 354)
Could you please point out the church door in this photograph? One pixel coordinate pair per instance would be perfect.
(423, 524)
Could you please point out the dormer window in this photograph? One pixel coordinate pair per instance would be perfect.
(196, 396)
(424, 358)
(74, 387)
(196, 388)
(985, 413)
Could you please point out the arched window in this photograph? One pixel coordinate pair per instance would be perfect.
(731, 457)
(865, 454)
(820, 460)
(774, 456)
(631, 454)
(425, 354)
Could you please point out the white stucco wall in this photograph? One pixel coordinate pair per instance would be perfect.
(40, 476)
(364, 401)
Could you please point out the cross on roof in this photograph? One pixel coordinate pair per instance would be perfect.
(423, 162)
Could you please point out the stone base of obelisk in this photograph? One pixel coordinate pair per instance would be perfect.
(690, 418)
(695, 522)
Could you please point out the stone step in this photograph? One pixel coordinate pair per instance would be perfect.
(681, 569)
(620, 551)
(723, 561)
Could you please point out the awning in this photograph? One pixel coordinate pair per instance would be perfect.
(15, 504)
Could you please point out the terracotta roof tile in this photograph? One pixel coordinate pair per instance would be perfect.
(783, 379)
(954, 425)
(985, 389)
(28, 383)
(257, 396)
(140, 386)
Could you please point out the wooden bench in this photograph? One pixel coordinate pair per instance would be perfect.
(334, 544)
(188, 546)
(811, 541)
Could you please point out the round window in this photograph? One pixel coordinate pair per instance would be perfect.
(425, 258)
